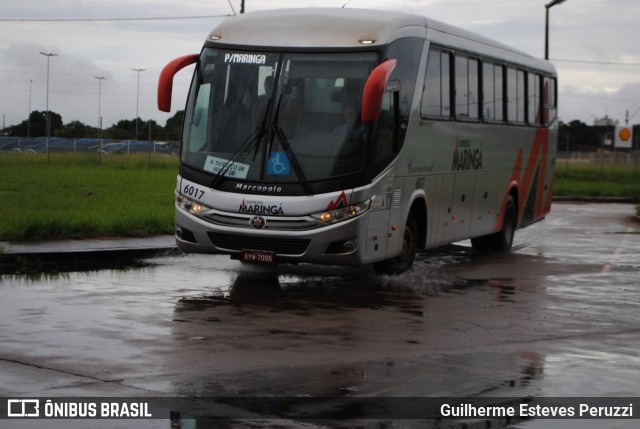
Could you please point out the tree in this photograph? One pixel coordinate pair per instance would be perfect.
(123, 130)
(36, 125)
(173, 127)
(126, 130)
(77, 130)
(157, 132)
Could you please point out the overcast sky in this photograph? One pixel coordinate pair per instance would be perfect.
(600, 34)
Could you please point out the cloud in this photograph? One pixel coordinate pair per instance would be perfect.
(582, 30)
(88, 49)
(70, 77)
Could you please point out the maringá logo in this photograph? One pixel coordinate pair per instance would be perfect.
(258, 207)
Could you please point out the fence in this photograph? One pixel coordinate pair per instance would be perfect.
(601, 158)
(105, 146)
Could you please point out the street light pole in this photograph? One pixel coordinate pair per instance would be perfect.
(138, 99)
(100, 79)
(546, 25)
(29, 117)
(48, 130)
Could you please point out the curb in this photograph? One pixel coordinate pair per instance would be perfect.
(47, 262)
(90, 254)
(602, 200)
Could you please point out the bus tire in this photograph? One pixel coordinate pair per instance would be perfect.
(405, 259)
(502, 240)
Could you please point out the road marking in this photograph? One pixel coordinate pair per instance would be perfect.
(607, 267)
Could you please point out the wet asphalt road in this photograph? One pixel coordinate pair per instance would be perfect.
(556, 317)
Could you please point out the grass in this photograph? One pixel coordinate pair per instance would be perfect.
(84, 195)
(589, 180)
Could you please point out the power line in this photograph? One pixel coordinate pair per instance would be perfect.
(231, 6)
(156, 18)
(606, 63)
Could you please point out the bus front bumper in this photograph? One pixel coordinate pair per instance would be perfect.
(338, 244)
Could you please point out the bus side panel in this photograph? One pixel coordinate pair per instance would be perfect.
(536, 180)
(489, 190)
(376, 245)
(462, 204)
(439, 191)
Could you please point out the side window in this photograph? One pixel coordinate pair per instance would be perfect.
(466, 88)
(386, 134)
(515, 96)
(550, 100)
(436, 93)
(199, 122)
(533, 99)
(408, 52)
(492, 90)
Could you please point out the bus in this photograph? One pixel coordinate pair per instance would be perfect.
(355, 137)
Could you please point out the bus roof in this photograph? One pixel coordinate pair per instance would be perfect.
(318, 27)
(310, 28)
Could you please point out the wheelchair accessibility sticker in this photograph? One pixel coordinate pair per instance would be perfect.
(279, 164)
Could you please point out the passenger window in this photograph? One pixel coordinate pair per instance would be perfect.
(466, 88)
(515, 96)
(534, 101)
(436, 95)
(493, 100)
(550, 100)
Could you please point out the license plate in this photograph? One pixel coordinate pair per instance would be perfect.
(259, 256)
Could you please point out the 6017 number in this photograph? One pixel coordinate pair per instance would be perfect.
(192, 191)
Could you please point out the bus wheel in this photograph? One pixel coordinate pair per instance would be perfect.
(502, 240)
(404, 260)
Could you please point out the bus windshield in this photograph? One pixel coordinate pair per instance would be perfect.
(277, 117)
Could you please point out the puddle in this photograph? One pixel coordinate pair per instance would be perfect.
(43, 265)
(545, 320)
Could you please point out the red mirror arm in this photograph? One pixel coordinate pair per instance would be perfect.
(165, 83)
(374, 88)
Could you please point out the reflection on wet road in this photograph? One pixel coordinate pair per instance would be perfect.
(556, 317)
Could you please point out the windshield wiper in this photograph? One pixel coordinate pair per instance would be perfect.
(292, 158)
(254, 139)
(279, 132)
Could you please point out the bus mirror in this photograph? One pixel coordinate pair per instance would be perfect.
(165, 83)
(373, 90)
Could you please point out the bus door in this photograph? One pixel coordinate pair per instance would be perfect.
(379, 218)
(382, 240)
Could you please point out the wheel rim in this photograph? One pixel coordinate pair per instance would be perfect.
(407, 247)
(509, 226)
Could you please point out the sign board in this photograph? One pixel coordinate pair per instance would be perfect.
(623, 138)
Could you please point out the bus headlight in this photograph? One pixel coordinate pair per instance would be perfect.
(342, 214)
(193, 207)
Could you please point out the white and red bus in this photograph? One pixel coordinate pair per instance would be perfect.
(352, 137)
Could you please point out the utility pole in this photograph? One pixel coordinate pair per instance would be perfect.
(138, 99)
(100, 79)
(48, 130)
(546, 25)
(29, 117)
(241, 6)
